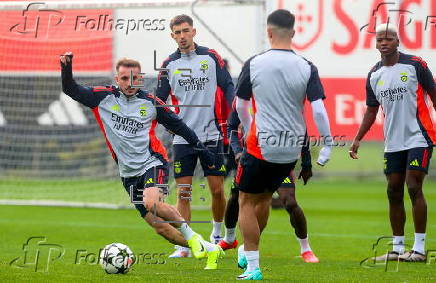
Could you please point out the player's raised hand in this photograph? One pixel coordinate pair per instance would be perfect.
(66, 58)
(305, 174)
(324, 155)
(353, 149)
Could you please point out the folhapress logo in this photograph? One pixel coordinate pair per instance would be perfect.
(38, 254)
(37, 19)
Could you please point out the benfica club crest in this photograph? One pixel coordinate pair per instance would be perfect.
(309, 19)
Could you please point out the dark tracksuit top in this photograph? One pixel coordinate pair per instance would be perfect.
(209, 84)
(128, 123)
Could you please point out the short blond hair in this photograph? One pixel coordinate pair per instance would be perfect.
(129, 63)
(386, 27)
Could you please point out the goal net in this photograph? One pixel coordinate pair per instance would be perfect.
(50, 146)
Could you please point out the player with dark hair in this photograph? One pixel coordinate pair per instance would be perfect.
(196, 78)
(274, 84)
(399, 84)
(128, 117)
(286, 194)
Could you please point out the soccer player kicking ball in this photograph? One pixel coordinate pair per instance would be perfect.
(127, 117)
(277, 82)
(286, 194)
(197, 78)
(399, 84)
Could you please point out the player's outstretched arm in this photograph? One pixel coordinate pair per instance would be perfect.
(323, 125)
(368, 120)
(77, 92)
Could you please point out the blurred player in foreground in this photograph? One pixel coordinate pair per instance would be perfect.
(275, 85)
(286, 194)
(399, 84)
(198, 79)
(127, 117)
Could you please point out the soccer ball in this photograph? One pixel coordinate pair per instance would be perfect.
(116, 258)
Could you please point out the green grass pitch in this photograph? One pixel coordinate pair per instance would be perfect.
(344, 218)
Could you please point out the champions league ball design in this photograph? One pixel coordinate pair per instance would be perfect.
(116, 258)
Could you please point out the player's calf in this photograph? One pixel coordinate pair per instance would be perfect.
(218, 206)
(289, 203)
(165, 230)
(232, 209)
(231, 218)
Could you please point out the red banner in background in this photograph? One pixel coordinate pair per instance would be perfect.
(32, 40)
(346, 105)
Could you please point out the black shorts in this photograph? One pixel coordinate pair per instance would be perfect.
(185, 160)
(259, 176)
(288, 183)
(417, 158)
(153, 177)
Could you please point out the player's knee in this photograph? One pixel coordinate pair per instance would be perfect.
(415, 193)
(413, 184)
(151, 205)
(395, 194)
(414, 187)
(290, 205)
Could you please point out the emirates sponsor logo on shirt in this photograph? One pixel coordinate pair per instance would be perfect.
(191, 84)
(393, 94)
(126, 124)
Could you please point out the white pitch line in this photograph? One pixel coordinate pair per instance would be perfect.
(327, 235)
(59, 203)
